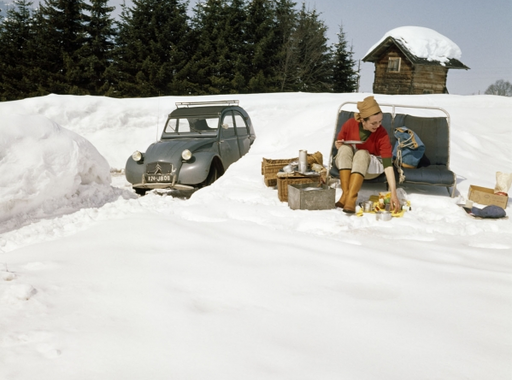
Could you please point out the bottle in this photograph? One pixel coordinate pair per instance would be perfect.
(402, 197)
(303, 161)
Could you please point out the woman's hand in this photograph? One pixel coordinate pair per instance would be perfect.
(394, 203)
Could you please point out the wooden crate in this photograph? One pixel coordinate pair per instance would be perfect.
(293, 179)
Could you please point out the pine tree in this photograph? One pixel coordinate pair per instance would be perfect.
(313, 72)
(151, 49)
(229, 46)
(218, 65)
(285, 26)
(344, 76)
(235, 63)
(60, 34)
(15, 55)
(264, 46)
(96, 53)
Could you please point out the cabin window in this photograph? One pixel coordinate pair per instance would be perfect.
(394, 65)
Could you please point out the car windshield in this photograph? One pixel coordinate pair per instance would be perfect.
(191, 126)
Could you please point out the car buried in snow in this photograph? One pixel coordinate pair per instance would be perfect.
(199, 142)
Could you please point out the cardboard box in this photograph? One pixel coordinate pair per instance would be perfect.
(486, 196)
(311, 196)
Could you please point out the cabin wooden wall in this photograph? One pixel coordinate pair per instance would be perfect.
(392, 83)
(429, 79)
(411, 79)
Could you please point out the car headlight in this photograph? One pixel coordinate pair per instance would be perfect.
(186, 154)
(137, 156)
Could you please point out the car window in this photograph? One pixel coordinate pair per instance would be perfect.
(171, 126)
(228, 125)
(202, 125)
(213, 123)
(195, 125)
(241, 127)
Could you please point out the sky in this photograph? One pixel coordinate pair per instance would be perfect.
(482, 30)
(98, 283)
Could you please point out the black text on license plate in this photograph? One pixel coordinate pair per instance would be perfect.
(158, 178)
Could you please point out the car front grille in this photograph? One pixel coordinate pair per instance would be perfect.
(159, 168)
(159, 174)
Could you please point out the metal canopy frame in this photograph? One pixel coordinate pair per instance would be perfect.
(393, 114)
(208, 103)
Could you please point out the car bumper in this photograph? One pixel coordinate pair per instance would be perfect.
(162, 185)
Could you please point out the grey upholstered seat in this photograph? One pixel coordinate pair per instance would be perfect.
(435, 134)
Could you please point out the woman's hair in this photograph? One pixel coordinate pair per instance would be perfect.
(366, 118)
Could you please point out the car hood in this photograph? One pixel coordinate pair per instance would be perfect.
(170, 150)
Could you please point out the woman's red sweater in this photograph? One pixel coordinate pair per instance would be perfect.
(377, 144)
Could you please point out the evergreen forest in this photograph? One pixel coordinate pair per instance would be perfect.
(160, 47)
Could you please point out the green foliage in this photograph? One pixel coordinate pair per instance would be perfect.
(286, 23)
(61, 33)
(150, 49)
(155, 48)
(263, 38)
(312, 70)
(16, 55)
(96, 54)
(211, 67)
(344, 77)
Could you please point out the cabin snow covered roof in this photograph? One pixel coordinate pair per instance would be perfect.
(420, 45)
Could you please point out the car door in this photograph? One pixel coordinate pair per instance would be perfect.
(228, 141)
(242, 132)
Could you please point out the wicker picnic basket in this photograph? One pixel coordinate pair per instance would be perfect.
(285, 179)
(270, 167)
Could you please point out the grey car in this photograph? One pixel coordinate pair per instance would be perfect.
(199, 142)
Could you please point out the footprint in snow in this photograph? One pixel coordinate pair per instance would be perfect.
(39, 340)
(18, 292)
(5, 275)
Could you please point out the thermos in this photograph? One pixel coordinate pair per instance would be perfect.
(303, 161)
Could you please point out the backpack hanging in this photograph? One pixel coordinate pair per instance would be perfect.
(408, 150)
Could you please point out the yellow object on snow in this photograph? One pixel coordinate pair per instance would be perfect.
(376, 207)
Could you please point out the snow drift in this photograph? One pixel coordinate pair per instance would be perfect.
(44, 167)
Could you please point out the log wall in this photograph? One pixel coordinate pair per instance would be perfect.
(411, 79)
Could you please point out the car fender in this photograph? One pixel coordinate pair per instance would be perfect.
(134, 171)
(196, 170)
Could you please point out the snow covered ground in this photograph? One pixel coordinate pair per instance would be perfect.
(97, 283)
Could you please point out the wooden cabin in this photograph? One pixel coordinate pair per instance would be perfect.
(399, 72)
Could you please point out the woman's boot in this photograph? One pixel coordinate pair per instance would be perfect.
(356, 181)
(344, 181)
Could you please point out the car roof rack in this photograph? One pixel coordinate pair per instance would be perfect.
(208, 103)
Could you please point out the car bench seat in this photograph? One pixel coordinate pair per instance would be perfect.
(434, 169)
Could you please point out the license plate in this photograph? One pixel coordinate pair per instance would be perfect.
(158, 178)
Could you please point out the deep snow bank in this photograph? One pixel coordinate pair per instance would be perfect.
(46, 169)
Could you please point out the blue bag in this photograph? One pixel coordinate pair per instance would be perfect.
(408, 149)
(491, 211)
